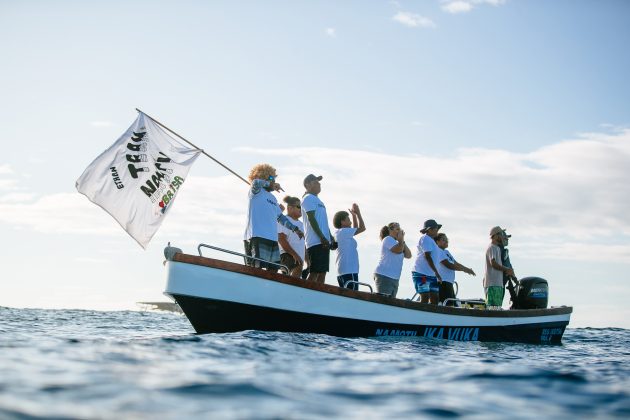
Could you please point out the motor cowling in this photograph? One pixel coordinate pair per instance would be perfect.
(533, 293)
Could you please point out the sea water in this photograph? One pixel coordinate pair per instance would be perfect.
(115, 365)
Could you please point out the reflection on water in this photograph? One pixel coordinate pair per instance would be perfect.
(88, 364)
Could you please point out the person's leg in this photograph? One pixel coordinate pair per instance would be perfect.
(382, 283)
(394, 289)
(447, 292)
(319, 261)
(494, 297)
(312, 266)
(348, 277)
(248, 252)
(322, 277)
(422, 283)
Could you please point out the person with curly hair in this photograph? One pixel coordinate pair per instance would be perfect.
(263, 216)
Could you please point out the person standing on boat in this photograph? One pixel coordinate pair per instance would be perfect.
(447, 267)
(347, 258)
(319, 240)
(493, 279)
(292, 248)
(393, 251)
(508, 281)
(263, 216)
(426, 277)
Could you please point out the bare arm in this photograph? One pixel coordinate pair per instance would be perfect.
(316, 228)
(407, 252)
(357, 219)
(502, 268)
(427, 255)
(457, 267)
(401, 247)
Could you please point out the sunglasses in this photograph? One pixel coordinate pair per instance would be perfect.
(272, 177)
(297, 206)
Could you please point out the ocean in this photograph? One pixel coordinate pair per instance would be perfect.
(131, 364)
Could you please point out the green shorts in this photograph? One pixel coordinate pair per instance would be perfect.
(494, 295)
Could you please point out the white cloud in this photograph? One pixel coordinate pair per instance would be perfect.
(464, 6)
(457, 7)
(554, 199)
(413, 20)
(331, 32)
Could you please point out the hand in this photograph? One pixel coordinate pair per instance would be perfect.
(277, 187)
(298, 260)
(325, 243)
(469, 271)
(510, 272)
(354, 209)
(299, 233)
(401, 236)
(282, 208)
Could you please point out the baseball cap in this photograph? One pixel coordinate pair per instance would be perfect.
(496, 230)
(310, 178)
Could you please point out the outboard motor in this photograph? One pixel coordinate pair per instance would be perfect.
(532, 293)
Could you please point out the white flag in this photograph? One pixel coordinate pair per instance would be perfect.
(137, 179)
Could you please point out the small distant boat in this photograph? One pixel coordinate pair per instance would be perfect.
(160, 306)
(219, 296)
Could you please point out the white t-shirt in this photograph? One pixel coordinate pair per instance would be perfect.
(446, 273)
(311, 202)
(262, 216)
(390, 264)
(493, 276)
(294, 240)
(426, 244)
(347, 255)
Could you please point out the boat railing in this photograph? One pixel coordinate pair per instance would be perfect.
(345, 285)
(282, 267)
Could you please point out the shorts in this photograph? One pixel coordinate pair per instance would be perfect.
(262, 248)
(386, 285)
(494, 295)
(447, 292)
(319, 259)
(424, 283)
(342, 279)
(288, 260)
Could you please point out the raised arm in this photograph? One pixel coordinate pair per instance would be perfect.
(357, 219)
(401, 247)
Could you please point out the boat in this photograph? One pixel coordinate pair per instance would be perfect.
(219, 296)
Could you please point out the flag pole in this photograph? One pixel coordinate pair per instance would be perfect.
(196, 147)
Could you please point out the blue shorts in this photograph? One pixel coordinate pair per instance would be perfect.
(424, 283)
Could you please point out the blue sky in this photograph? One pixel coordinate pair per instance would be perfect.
(475, 113)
